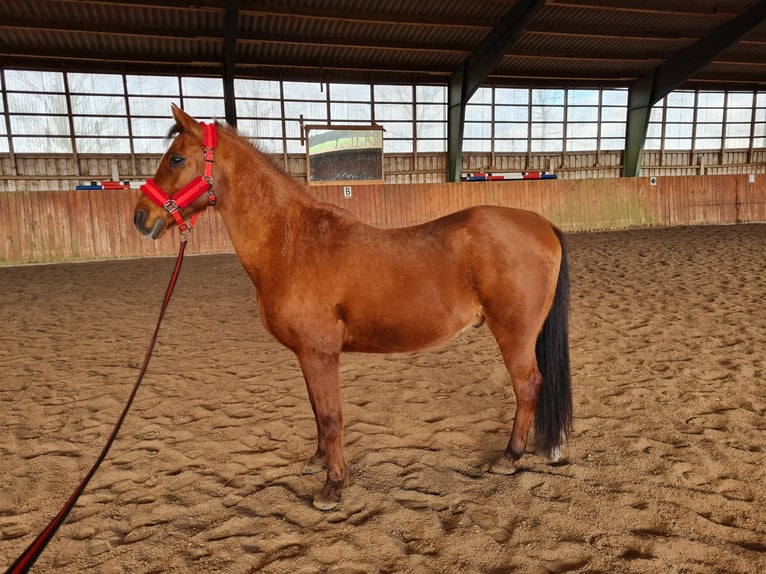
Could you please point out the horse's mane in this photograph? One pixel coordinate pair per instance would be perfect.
(178, 129)
(270, 159)
(174, 131)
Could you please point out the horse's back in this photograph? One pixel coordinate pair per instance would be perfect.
(510, 224)
(497, 236)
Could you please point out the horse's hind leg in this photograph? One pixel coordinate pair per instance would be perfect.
(322, 381)
(519, 356)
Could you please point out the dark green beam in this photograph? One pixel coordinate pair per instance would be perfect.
(639, 108)
(455, 125)
(475, 70)
(659, 82)
(229, 60)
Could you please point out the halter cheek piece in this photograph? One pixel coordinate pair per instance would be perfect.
(187, 194)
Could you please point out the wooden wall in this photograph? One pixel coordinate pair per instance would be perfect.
(46, 226)
(574, 205)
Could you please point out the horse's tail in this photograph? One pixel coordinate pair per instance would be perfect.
(553, 417)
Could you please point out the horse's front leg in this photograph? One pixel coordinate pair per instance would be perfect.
(322, 382)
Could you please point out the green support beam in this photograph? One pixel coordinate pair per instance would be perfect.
(475, 70)
(229, 60)
(455, 125)
(659, 82)
(639, 108)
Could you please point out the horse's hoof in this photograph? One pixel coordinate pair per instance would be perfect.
(315, 464)
(329, 497)
(504, 466)
(324, 505)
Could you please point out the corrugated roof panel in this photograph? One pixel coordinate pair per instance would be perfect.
(356, 39)
(597, 46)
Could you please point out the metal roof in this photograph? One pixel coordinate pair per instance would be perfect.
(566, 42)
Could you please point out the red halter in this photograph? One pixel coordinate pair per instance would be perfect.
(187, 194)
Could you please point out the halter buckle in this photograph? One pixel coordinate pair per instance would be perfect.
(170, 206)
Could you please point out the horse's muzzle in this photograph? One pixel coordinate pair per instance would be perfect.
(139, 220)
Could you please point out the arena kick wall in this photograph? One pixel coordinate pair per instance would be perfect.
(75, 225)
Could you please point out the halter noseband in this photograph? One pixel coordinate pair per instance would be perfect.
(187, 194)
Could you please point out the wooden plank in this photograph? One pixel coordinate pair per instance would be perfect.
(28, 217)
(376, 204)
(407, 211)
(57, 244)
(12, 232)
(5, 228)
(132, 238)
(364, 196)
(69, 213)
(395, 208)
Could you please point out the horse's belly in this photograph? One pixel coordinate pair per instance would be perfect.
(414, 332)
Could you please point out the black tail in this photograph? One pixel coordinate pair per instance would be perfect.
(553, 417)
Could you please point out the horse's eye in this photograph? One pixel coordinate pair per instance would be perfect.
(176, 160)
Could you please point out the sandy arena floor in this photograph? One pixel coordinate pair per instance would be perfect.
(666, 471)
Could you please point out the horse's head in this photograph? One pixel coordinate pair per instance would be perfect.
(177, 190)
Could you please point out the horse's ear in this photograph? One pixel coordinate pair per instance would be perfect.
(187, 122)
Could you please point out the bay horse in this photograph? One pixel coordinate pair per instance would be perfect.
(326, 283)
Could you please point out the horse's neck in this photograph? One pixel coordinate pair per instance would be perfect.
(259, 204)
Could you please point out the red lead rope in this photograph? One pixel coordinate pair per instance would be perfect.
(27, 559)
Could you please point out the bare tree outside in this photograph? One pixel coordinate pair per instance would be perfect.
(99, 113)
(38, 112)
(394, 109)
(431, 119)
(547, 126)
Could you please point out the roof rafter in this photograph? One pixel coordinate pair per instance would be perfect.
(396, 19)
(368, 44)
(611, 33)
(645, 7)
(198, 6)
(56, 27)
